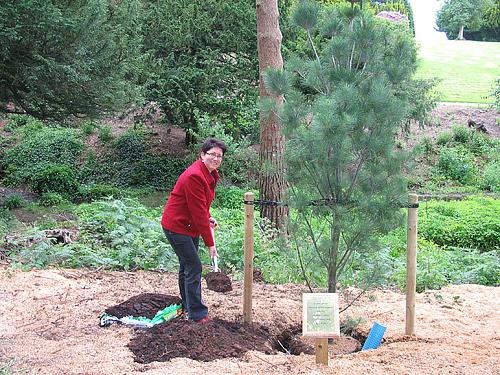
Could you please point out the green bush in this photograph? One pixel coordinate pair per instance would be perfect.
(491, 177)
(461, 134)
(14, 201)
(473, 223)
(240, 164)
(18, 121)
(88, 127)
(37, 149)
(56, 179)
(437, 266)
(146, 170)
(457, 164)
(427, 146)
(51, 199)
(482, 145)
(230, 197)
(92, 192)
(105, 133)
(131, 145)
(444, 138)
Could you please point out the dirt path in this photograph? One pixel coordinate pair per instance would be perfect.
(49, 325)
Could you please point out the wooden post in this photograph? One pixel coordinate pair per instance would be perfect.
(411, 264)
(321, 350)
(248, 265)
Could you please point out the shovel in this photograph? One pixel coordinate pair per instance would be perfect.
(215, 259)
(217, 280)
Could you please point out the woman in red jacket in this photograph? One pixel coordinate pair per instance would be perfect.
(187, 216)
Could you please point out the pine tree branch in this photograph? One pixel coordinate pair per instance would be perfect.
(352, 55)
(306, 279)
(315, 243)
(313, 46)
(354, 300)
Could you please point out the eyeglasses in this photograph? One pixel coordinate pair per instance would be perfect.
(214, 156)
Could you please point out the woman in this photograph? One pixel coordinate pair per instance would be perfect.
(186, 216)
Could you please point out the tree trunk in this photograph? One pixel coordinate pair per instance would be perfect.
(332, 266)
(461, 33)
(272, 183)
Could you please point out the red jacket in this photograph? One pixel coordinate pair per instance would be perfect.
(187, 209)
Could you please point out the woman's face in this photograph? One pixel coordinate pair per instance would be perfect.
(212, 158)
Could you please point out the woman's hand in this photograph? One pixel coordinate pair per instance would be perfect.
(213, 223)
(213, 252)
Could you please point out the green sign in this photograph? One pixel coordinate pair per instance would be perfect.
(320, 315)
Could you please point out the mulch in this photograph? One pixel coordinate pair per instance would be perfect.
(213, 340)
(202, 342)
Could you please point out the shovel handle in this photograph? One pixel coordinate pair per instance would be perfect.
(215, 259)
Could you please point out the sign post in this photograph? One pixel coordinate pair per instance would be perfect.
(320, 319)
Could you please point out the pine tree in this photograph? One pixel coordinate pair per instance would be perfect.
(343, 104)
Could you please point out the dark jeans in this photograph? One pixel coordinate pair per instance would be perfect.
(186, 249)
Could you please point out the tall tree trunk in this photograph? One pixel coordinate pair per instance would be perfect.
(461, 33)
(272, 184)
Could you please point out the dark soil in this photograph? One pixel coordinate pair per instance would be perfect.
(290, 342)
(202, 342)
(213, 340)
(146, 305)
(218, 282)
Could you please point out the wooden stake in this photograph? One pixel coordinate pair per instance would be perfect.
(248, 265)
(321, 350)
(411, 265)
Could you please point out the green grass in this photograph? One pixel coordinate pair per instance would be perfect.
(467, 69)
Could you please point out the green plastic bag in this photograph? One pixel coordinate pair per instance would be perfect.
(161, 316)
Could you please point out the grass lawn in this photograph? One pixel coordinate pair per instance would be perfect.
(467, 69)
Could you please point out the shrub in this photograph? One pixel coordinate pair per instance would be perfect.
(92, 192)
(52, 199)
(56, 179)
(229, 197)
(427, 146)
(461, 133)
(18, 121)
(37, 149)
(240, 165)
(105, 133)
(14, 201)
(131, 145)
(457, 164)
(481, 145)
(473, 223)
(444, 138)
(88, 127)
(491, 177)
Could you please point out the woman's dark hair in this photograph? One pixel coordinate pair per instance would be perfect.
(210, 143)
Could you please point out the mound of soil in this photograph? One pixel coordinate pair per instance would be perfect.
(146, 305)
(203, 342)
(218, 282)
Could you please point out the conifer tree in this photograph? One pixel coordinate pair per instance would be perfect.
(63, 58)
(344, 102)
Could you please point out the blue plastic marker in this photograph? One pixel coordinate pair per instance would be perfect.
(374, 337)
